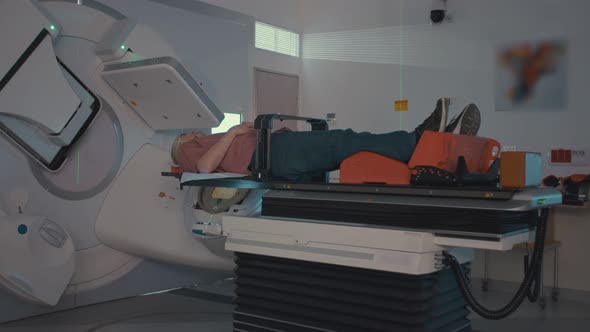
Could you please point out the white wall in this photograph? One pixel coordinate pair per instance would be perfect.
(282, 13)
(353, 68)
(360, 56)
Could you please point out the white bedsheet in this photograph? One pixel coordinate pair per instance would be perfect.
(198, 176)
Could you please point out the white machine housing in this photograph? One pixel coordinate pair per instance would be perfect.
(83, 149)
(158, 88)
(384, 249)
(40, 262)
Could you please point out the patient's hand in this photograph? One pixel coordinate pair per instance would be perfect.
(244, 128)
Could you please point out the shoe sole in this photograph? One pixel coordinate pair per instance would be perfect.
(443, 116)
(469, 122)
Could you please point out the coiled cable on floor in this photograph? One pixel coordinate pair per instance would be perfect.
(531, 275)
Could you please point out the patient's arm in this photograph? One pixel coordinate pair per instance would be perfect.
(209, 162)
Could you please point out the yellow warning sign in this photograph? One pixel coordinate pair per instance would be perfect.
(401, 105)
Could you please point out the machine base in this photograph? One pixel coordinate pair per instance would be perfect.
(276, 294)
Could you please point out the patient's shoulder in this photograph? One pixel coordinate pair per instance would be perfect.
(189, 154)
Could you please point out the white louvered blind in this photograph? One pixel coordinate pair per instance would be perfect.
(275, 39)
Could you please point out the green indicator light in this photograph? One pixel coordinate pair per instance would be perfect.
(541, 202)
(52, 27)
(123, 47)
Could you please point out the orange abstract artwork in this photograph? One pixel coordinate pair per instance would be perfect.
(532, 76)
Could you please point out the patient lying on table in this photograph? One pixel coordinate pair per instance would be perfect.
(296, 154)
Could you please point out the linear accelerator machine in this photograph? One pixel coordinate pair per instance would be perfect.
(85, 216)
(308, 257)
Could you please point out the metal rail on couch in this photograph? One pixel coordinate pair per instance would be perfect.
(264, 124)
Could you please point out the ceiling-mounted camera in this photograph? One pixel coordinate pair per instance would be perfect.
(438, 12)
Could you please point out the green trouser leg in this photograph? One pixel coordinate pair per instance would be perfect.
(299, 155)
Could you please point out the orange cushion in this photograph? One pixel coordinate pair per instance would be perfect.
(443, 150)
(368, 167)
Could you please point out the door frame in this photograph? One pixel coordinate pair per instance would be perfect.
(268, 71)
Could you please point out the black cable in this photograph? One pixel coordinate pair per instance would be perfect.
(534, 291)
(530, 276)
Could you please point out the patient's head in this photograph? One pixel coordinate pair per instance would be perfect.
(183, 138)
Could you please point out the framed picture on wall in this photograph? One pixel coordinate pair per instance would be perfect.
(531, 76)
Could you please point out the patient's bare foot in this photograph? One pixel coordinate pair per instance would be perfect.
(467, 122)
